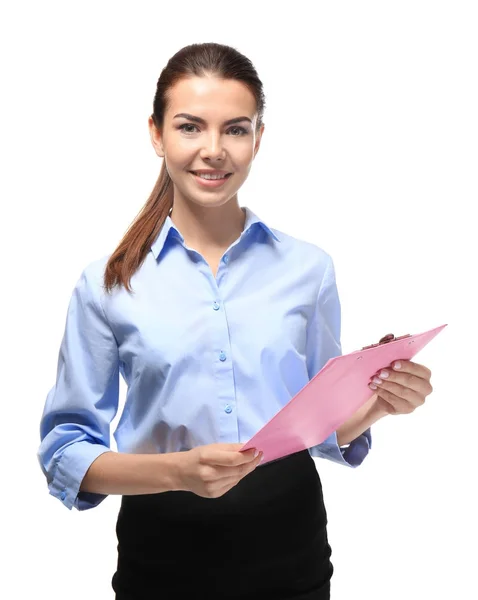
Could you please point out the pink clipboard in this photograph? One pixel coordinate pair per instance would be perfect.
(330, 398)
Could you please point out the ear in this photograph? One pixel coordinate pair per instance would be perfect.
(258, 141)
(156, 138)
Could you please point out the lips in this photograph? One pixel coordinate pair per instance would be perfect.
(199, 173)
(211, 183)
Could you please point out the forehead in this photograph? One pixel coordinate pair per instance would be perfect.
(211, 97)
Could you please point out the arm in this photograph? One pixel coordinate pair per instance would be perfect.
(74, 453)
(74, 428)
(131, 474)
(362, 420)
(323, 343)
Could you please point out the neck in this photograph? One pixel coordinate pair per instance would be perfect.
(209, 229)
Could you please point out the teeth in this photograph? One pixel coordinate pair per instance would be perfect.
(210, 176)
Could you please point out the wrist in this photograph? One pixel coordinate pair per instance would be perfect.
(377, 410)
(368, 414)
(172, 462)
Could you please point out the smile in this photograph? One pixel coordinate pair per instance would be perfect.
(212, 181)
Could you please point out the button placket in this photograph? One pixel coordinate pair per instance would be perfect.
(224, 375)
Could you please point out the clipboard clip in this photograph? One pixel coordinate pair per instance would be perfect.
(387, 338)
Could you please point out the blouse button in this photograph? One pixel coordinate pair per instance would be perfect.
(215, 306)
(222, 356)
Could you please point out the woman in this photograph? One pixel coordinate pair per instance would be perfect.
(215, 321)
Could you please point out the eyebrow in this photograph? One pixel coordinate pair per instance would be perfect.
(203, 122)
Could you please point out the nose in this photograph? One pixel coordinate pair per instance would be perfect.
(213, 147)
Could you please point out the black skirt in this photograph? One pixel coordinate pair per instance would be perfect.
(266, 538)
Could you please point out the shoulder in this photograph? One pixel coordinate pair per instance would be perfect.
(92, 276)
(303, 252)
(96, 267)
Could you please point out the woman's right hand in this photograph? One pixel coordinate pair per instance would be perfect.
(212, 470)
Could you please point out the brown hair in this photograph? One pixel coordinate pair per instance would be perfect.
(193, 60)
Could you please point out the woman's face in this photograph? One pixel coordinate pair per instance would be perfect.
(190, 145)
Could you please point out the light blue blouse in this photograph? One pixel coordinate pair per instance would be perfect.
(205, 359)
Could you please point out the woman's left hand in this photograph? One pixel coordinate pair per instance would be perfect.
(401, 390)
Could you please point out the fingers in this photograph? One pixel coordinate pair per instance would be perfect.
(396, 393)
(407, 381)
(229, 477)
(227, 458)
(246, 468)
(253, 464)
(399, 404)
(413, 368)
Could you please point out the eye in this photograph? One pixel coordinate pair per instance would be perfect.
(186, 125)
(241, 130)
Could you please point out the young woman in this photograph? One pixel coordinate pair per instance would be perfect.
(215, 321)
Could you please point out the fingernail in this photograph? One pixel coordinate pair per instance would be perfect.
(384, 374)
(376, 380)
(256, 453)
(397, 365)
(372, 386)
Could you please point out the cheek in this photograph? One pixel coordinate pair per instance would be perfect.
(180, 150)
(177, 160)
(242, 158)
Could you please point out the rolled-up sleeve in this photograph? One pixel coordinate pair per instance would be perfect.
(323, 343)
(75, 425)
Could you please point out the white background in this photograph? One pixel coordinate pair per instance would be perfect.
(370, 151)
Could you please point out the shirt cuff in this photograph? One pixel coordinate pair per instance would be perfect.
(75, 461)
(351, 456)
(358, 449)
